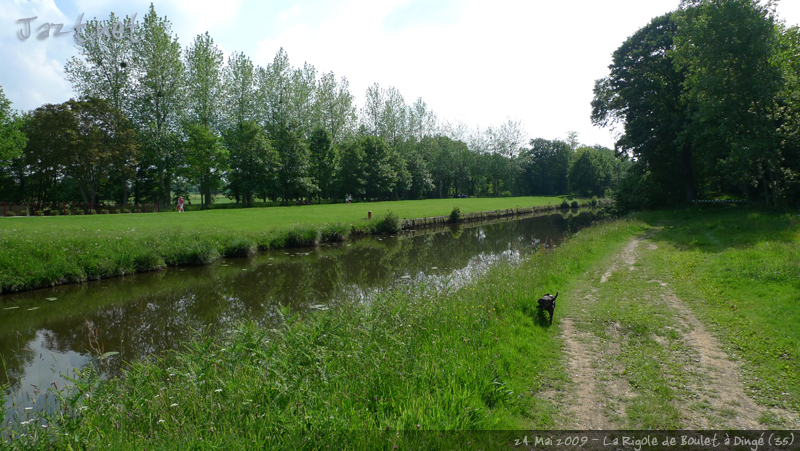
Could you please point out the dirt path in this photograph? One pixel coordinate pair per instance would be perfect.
(700, 374)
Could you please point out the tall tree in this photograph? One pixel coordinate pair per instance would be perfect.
(335, 107)
(643, 93)
(204, 78)
(91, 139)
(204, 97)
(158, 100)
(239, 82)
(324, 160)
(293, 169)
(103, 67)
(206, 159)
(252, 161)
(728, 50)
(273, 85)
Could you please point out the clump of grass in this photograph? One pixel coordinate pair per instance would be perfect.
(389, 224)
(240, 247)
(565, 204)
(334, 233)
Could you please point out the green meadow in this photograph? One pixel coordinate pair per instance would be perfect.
(45, 251)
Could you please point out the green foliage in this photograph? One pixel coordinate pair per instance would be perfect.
(389, 224)
(253, 162)
(12, 140)
(455, 215)
(594, 201)
(10, 214)
(704, 96)
(590, 173)
(565, 203)
(545, 165)
(206, 158)
(575, 204)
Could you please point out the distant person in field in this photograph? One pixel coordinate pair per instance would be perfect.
(180, 205)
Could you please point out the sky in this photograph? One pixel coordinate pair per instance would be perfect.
(476, 62)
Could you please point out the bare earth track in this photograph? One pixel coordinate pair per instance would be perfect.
(600, 393)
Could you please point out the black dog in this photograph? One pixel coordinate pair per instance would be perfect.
(548, 303)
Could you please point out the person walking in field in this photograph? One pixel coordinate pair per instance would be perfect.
(180, 205)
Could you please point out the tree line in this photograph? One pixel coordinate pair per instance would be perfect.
(706, 100)
(154, 121)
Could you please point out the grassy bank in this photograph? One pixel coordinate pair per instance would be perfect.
(739, 271)
(468, 360)
(47, 251)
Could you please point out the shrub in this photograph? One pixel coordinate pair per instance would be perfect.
(67, 212)
(124, 210)
(39, 213)
(92, 212)
(10, 214)
(594, 201)
(575, 204)
(54, 212)
(389, 224)
(103, 212)
(565, 203)
(455, 215)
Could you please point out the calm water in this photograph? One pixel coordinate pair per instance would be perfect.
(44, 334)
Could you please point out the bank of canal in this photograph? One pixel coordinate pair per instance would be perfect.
(44, 333)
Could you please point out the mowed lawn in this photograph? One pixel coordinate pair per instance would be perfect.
(262, 219)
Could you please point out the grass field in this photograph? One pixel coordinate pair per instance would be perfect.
(45, 251)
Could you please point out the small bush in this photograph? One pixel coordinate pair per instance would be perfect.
(103, 212)
(67, 212)
(455, 215)
(575, 204)
(10, 214)
(124, 210)
(39, 213)
(389, 224)
(594, 201)
(92, 212)
(565, 203)
(505, 193)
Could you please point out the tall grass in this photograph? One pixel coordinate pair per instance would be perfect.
(473, 359)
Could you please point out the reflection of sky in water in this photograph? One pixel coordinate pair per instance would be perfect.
(146, 314)
(44, 368)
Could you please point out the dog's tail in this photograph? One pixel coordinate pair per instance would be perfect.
(554, 297)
